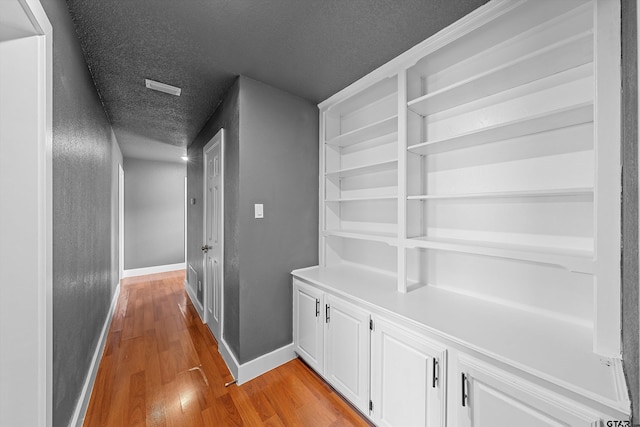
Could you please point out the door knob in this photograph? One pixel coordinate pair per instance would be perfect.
(206, 248)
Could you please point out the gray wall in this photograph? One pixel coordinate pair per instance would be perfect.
(83, 160)
(271, 157)
(630, 317)
(279, 168)
(153, 213)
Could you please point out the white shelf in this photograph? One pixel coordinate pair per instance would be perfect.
(383, 127)
(509, 236)
(558, 192)
(375, 93)
(574, 260)
(388, 238)
(557, 351)
(361, 199)
(556, 119)
(387, 165)
(561, 56)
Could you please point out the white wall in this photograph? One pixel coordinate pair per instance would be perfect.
(25, 215)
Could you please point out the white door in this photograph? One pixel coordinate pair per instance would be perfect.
(308, 325)
(489, 397)
(407, 378)
(213, 234)
(120, 222)
(347, 340)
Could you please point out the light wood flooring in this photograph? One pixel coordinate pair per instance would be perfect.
(161, 367)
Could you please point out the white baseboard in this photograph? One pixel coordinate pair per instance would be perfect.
(153, 270)
(194, 300)
(229, 358)
(83, 402)
(256, 367)
(253, 368)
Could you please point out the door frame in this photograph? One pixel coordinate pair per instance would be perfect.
(218, 138)
(186, 228)
(33, 405)
(120, 222)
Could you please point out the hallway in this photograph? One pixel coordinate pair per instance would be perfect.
(161, 367)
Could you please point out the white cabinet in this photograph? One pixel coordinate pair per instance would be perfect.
(396, 377)
(490, 397)
(408, 378)
(333, 337)
(470, 190)
(308, 325)
(401, 375)
(347, 338)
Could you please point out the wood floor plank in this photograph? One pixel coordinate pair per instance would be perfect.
(155, 416)
(137, 406)
(259, 401)
(161, 368)
(247, 410)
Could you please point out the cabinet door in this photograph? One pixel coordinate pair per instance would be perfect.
(495, 398)
(407, 378)
(347, 340)
(308, 324)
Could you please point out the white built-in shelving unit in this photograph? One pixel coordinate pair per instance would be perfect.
(471, 187)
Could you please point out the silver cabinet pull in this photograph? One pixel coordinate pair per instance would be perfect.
(465, 395)
(435, 373)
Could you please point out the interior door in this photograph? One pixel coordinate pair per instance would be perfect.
(212, 247)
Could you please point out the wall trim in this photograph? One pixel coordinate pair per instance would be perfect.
(256, 367)
(229, 359)
(194, 300)
(253, 368)
(83, 402)
(134, 272)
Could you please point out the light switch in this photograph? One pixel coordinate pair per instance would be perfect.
(259, 210)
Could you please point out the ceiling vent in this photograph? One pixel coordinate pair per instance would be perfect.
(161, 87)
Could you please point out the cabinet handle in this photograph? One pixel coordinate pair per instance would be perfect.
(435, 373)
(317, 307)
(465, 396)
(327, 316)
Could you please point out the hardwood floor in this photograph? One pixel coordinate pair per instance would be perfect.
(161, 367)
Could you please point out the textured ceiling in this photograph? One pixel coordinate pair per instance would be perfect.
(312, 48)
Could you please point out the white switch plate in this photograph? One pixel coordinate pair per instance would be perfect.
(259, 210)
